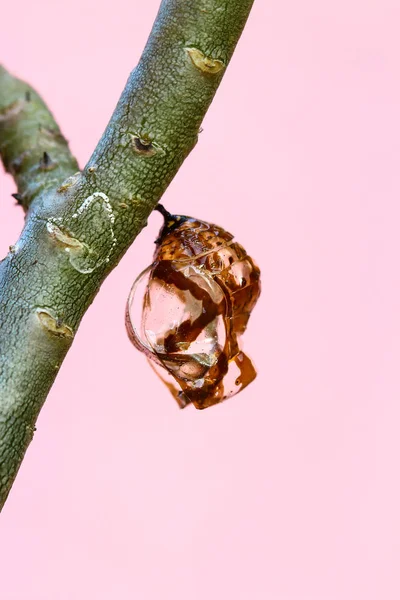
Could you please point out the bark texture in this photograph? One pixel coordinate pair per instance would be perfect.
(79, 225)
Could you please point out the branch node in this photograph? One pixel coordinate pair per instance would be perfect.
(69, 182)
(144, 147)
(54, 325)
(54, 134)
(204, 63)
(62, 238)
(93, 222)
(46, 163)
(11, 111)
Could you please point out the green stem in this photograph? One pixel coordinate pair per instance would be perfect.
(76, 234)
(32, 148)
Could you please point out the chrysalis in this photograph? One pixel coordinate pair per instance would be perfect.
(189, 308)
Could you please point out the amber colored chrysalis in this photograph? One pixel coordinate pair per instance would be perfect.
(192, 305)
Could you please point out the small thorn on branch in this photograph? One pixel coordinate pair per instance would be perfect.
(18, 198)
(46, 163)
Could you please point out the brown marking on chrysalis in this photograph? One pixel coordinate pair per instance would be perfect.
(189, 330)
(211, 248)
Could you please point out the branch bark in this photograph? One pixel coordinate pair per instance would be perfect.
(32, 147)
(75, 234)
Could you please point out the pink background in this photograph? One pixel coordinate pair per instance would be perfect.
(290, 491)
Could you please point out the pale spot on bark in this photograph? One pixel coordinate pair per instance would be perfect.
(69, 182)
(12, 110)
(204, 63)
(89, 237)
(62, 238)
(52, 324)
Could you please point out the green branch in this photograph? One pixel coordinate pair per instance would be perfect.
(32, 148)
(74, 235)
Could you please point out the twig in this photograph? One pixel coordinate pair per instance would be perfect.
(76, 234)
(32, 147)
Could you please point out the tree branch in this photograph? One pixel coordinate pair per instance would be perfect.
(32, 148)
(76, 234)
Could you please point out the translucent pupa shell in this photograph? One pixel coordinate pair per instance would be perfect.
(189, 308)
